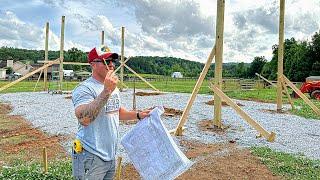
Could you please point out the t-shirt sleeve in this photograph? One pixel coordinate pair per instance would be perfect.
(82, 95)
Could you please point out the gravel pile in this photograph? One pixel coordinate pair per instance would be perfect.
(54, 114)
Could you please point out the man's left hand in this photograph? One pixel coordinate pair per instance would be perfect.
(144, 113)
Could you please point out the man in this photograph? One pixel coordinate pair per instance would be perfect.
(97, 107)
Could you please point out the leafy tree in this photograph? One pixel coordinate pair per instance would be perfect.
(256, 66)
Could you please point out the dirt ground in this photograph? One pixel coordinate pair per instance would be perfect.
(20, 141)
(216, 161)
(211, 102)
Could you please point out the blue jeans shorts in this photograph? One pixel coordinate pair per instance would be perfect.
(88, 166)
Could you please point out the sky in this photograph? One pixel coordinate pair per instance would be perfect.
(178, 28)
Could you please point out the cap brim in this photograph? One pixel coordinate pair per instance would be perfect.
(114, 56)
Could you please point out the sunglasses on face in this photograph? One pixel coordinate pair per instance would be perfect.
(106, 61)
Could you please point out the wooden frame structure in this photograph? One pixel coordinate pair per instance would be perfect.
(61, 62)
(217, 51)
(282, 80)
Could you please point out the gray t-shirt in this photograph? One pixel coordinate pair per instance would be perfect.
(101, 136)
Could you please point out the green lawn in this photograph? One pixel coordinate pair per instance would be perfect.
(288, 165)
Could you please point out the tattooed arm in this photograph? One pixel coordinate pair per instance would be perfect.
(87, 113)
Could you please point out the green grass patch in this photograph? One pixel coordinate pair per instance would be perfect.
(305, 110)
(288, 165)
(57, 170)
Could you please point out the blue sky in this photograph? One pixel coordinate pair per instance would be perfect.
(179, 28)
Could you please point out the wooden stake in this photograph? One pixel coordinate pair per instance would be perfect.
(195, 91)
(61, 53)
(304, 97)
(218, 61)
(122, 57)
(280, 55)
(46, 47)
(118, 174)
(269, 136)
(45, 160)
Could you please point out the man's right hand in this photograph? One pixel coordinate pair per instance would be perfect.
(110, 82)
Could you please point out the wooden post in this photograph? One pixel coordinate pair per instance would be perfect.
(61, 53)
(306, 100)
(122, 57)
(45, 75)
(195, 91)
(280, 55)
(45, 160)
(118, 175)
(269, 136)
(102, 38)
(218, 61)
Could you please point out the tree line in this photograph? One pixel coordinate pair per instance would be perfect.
(301, 59)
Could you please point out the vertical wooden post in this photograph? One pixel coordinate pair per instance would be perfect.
(61, 53)
(118, 175)
(45, 75)
(122, 58)
(134, 104)
(280, 55)
(218, 61)
(102, 38)
(45, 160)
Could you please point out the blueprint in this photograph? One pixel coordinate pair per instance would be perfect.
(152, 150)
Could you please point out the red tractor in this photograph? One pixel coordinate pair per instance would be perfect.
(311, 87)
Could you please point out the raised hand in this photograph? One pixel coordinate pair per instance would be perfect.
(110, 82)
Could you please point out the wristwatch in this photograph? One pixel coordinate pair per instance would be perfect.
(138, 116)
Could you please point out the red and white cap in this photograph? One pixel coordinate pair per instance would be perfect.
(101, 53)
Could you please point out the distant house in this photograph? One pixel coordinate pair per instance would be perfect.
(176, 75)
(68, 73)
(3, 73)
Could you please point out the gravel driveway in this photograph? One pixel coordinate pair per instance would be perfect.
(54, 114)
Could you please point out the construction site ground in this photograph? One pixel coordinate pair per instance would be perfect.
(21, 142)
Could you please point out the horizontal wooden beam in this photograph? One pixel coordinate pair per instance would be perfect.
(72, 63)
